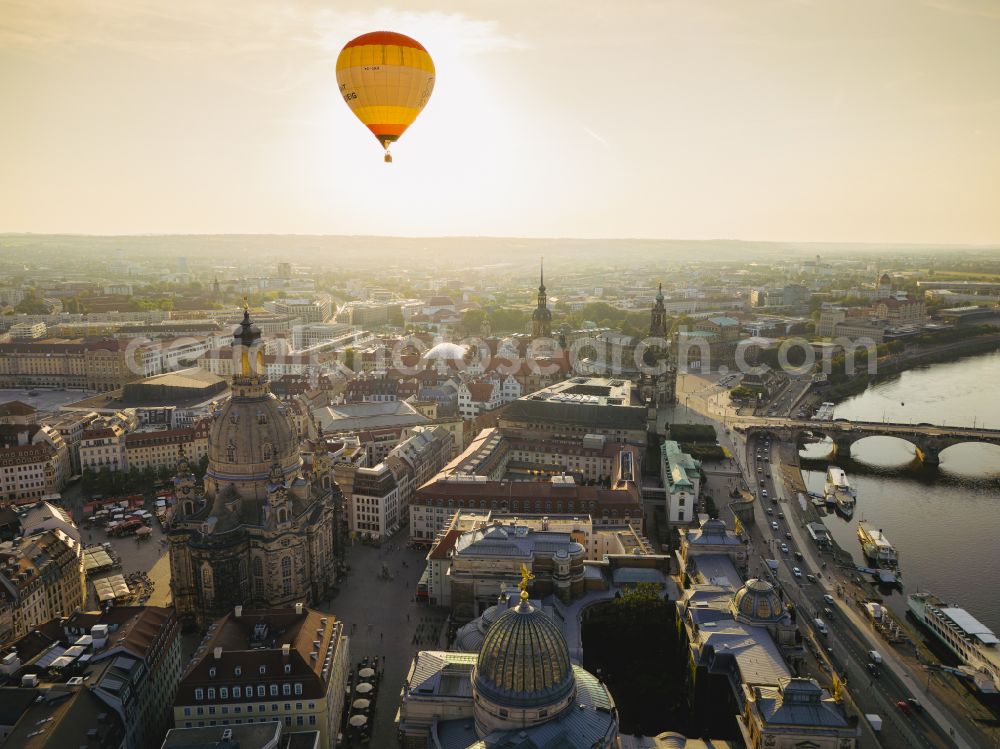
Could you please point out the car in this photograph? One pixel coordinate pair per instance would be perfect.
(774, 525)
(762, 484)
(904, 707)
(811, 578)
(760, 470)
(770, 511)
(873, 669)
(797, 572)
(915, 704)
(763, 491)
(784, 548)
(828, 611)
(788, 535)
(798, 555)
(828, 598)
(781, 514)
(766, 459)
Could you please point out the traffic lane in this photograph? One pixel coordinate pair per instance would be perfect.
(886, 688)
(881, 696)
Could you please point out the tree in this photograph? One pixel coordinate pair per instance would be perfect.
(31, 305)
(472, 321)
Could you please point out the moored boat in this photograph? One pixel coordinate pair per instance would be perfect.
(839, 489)
(971, 641)
(876, 547)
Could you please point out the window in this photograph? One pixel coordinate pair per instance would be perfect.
(199, 694)
(286, 689)
(211, 693)
(261, 691)
(211, 671)
(274, 690)
(187, 712)
(211, 709)
(298, 689)
(312, 720)
(238, 671)
(263, 669)
(298, 720)
(224, 693)
(236, 691)
(288, 668)
(201, 711)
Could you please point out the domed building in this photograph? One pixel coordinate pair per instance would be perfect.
(758, 604)
(525, 691)
(260, 533)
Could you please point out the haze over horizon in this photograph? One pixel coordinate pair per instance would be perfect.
(786, 121)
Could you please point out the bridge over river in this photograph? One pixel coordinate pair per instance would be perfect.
(928, 439)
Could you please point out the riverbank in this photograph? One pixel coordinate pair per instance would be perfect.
(893, 365)
(916, 650)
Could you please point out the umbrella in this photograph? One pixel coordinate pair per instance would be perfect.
(358, 720)
(361, 704)
(366, 673)
(363, 688)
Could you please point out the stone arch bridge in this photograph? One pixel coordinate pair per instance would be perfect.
(928, 439)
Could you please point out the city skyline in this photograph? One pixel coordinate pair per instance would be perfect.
(867, 125)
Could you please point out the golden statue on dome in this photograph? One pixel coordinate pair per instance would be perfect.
(526, 576)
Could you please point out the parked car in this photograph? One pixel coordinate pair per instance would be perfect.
(828, 598)
(811, 578)
(797, 572)
(784, 548)
(774, 525)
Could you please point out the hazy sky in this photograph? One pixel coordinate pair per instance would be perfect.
(838, 120)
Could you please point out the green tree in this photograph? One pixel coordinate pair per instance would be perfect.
(31, 305)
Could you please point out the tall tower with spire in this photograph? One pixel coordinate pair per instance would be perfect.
(541, 318)
(658, 317)
(658, 384)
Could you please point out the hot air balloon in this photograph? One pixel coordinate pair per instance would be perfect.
(386, 79)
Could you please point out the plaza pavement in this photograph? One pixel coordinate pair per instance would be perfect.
(382, 619)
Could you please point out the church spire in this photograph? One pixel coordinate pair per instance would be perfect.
(541, 319)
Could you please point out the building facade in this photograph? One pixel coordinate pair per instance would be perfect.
(286, 664)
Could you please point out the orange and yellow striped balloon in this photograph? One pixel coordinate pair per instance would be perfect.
(386, 79)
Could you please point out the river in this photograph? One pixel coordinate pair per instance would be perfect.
(943, 521)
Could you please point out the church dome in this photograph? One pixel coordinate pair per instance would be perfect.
(758, 602)
(250, 434)
(524, 661)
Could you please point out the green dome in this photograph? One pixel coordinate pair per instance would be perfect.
(524, 661)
